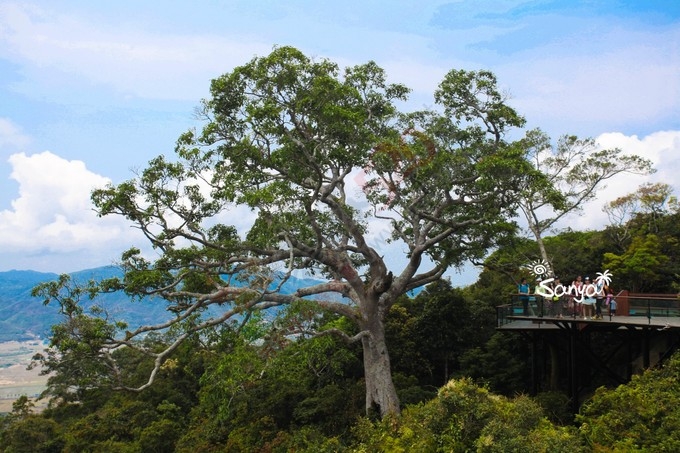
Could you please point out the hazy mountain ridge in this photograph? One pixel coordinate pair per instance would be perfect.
(21, 315)
(25, 317)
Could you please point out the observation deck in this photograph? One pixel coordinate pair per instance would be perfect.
(578, 354)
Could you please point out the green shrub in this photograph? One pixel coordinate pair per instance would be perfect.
(643, 415)
(466, 417)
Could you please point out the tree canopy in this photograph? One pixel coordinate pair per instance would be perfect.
(568, 174)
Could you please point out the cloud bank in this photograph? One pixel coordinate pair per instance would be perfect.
(53, 218)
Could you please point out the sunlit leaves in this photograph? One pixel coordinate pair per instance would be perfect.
(474, 96)
(466, 417)
(642, 415)
(641, 264)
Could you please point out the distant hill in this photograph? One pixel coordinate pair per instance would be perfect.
(24, 317)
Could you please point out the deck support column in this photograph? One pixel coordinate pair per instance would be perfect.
(534, 364)
(573, 369)
(645, 349)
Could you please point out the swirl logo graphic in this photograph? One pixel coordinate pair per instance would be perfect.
(538, 268)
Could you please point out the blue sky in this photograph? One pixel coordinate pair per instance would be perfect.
(90, 91)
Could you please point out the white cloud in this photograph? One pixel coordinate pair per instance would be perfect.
(628, 85)
(52, 225)
(661, 148)
(53, 215)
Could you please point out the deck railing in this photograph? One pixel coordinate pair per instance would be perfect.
(652, 305)
(628, 304)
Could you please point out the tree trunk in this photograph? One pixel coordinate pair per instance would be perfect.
(544, 253)
(381, 396)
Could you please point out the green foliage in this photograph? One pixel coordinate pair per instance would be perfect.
(407, 354)
(465, 417)
(457, 94)
(22, 407)
(102, 420)
(577, 253)
(556, 406)
(571, 253)
(646, 229)
(160, 436)
(31, 434)
(502, 364)
(641, 264)
(643, 415)
(74, 358)
(261, 393)
(429, 334)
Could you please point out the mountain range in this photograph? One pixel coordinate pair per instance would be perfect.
(24, 317)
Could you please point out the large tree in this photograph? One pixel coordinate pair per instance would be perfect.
(289, 138)
(569, 174)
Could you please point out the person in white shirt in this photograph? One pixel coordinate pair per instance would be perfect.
(589, 292)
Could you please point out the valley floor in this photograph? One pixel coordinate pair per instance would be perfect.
(15, 379)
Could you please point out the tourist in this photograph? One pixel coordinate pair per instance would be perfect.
(523, 290)
(588, 296)
(558, 302)
(541, 300)
(601, 288)
(611, 302)
(576, 294)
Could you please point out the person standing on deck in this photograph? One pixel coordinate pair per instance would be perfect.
(558, 302)
(612, 307)
(523, 290)
(601, 288)
(542, 302)
(576, 291)
(589, 291)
